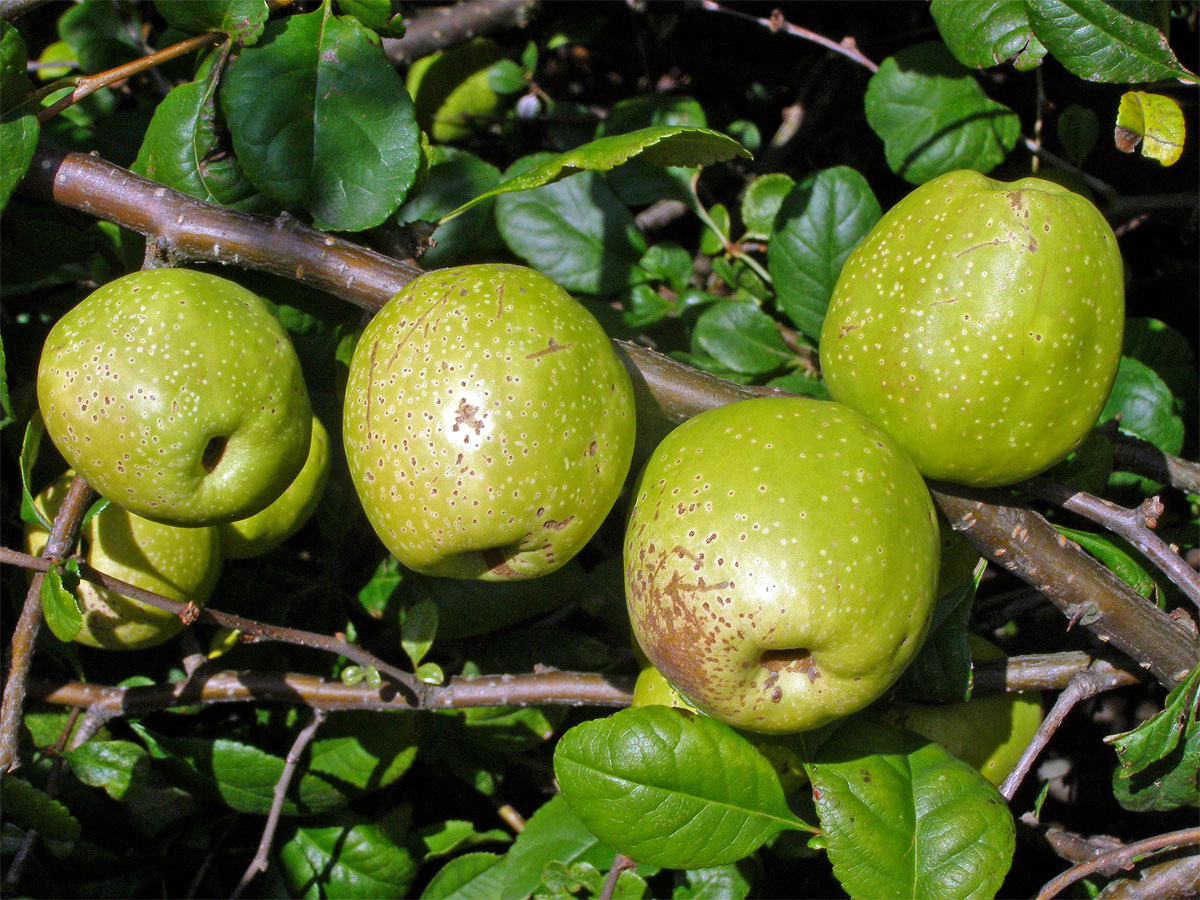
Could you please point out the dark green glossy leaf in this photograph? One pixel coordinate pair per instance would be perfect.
(666, 145)
(761, 202)
(350, 857)
(1101, 41)
(1078, 130)
(382, 16)
(182, 149)
(941, 671)
(1116, 559)
(796, 382)
(240, 775)
(934, 117)
(638, 183)
(1160, 759)
(100, 39)
(1146, 406)
(18, 141)
(243, 20)
(817, 225)
(60, 606)
(742, 337)
(983, 33)
(472, 876)
(671, 787)
(14, 83)
(30, 808)
(364, 751)
(901, 817)
(1165, 350)
(418, 630)
(321, 121)
(32, 440)
(717, 883)
(575, 231)
(453, 835)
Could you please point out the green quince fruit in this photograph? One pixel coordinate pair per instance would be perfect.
(781, 560)
(979, 323)
(488, 423)
(177, 395)
(180, 563)
(450, 89)
(267, 529)
(988, 732)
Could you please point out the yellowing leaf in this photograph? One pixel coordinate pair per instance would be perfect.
(1154, 120)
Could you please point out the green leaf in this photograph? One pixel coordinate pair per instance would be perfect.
(575, 231)
(321, 121)
(552, 834)
(30, 808)
(453, 835)
(1078, 129)
(761, 202)
(454, 178)
(716, 236)
(351, 858)
(670, 787)
(382, 16)
(1158, 761)
(241, 776)
(933, 117)
(984, 33)
(1100, 41)
(30, 443)
(364, 751)
(14, 56)
(108, 764)
(901, 817)
(1165, 350)
(99, 37)
(796, 382)
(1146, 406)
(18, 141)
(941, 671)
(669, 262)
(472, 876)
(182, 149)
(243, 20)
(60, 606)
(644, 306)
(716, 883)
(666, 145)
(418, 629)
(638, 183)
(1114, 558)
(7, 416)
(1155, 121)
(819, 222)
(742, 337)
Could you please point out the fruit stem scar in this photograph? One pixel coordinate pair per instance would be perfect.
(213, 451)
(553, 347)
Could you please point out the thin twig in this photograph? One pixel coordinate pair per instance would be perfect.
(1132, 454)
(251, 629)
(1132, 524)
(846, 46)
(620, 863)
(89, 84)
(1083, 685)
(303, 739)
(63, 534)
(1124, 857)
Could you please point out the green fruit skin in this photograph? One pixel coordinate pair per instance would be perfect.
(781, 559)
(266, 530)
(180, 563)
(136, 379)
(488, 423)
(450, 89)
(989, 732)
(979, 323)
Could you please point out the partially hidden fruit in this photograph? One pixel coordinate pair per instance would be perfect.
(180, 563)
(988, 732)
(267, 529)
(979, 323)
(450, 89)
(177, 395)
(781, 559)
(488, 423)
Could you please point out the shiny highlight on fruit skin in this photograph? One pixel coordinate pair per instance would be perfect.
(979, 323)
(781, 560)
(177, 395)
(180, 563)
(488, 423)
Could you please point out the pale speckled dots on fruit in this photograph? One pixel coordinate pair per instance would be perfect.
(180, 563)
(488, 423)
(781, 558)
(177, 395)
(979, 323)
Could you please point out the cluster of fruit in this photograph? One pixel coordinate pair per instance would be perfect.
(781, 554)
